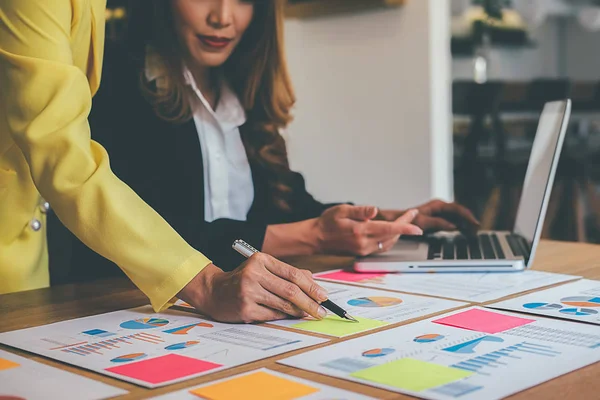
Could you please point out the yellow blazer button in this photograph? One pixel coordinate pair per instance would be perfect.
(45, 207)
(36, 225)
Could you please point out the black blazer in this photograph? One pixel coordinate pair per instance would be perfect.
(162, 163)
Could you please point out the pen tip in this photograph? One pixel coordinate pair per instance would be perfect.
(351, 318)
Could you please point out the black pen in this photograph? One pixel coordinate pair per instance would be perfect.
(247, 251)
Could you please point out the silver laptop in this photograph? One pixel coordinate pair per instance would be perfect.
(490, 251)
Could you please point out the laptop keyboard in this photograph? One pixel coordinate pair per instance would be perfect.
(484, 246)
(518, 246)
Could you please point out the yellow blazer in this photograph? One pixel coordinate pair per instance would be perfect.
(50, 66)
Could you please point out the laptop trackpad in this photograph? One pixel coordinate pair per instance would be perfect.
(404, 245)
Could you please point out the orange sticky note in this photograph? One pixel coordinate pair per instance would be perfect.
(255, 386)
(7, 364)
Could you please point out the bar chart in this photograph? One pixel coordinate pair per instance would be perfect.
(85, 349)
(487, 363)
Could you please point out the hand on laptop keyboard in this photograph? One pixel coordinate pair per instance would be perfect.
(438, 215)
(347, 229)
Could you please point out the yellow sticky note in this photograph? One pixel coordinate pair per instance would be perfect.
(255, 386)
(411, 374)
(7, 364)
(336, 326)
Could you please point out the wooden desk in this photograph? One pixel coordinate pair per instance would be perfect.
(38, 307)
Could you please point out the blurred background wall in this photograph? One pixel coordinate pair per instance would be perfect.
(373, 119)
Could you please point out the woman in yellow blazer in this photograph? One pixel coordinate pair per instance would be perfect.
(50, 66)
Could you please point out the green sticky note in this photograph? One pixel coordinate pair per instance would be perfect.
(410, 374)
(336, 326)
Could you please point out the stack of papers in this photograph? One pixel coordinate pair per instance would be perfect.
(470, 353)
(577, 301)
(263, 384)
(21, 378)
(154, 350)
(474, 287)
(372, 308)
(467, 354)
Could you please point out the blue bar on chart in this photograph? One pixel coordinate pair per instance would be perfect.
(500, 358)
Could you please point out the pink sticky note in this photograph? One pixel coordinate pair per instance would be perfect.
(483, 321)
(348, 276)
(164, 369)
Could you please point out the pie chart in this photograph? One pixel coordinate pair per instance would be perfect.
(183, 330)
(581, 301)
(542, 306)
(374, 301)
(578, 311)
(144, 323)
(378, 352)
(430, 337)
(182, 345)
(184, 304)
(129, 357)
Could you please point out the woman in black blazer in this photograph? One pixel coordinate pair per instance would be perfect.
(161, 158)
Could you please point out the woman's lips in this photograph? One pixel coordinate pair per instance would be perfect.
(215, 42)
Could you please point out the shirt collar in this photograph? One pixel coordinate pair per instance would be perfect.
(229, 113)
(154, 68)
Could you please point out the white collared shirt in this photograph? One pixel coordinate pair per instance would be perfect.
(228, 185)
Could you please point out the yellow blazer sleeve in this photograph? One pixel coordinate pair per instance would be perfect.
(48, 101)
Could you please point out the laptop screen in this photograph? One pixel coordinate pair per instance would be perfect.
(539, 178)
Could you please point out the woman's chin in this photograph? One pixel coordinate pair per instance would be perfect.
(211, 60)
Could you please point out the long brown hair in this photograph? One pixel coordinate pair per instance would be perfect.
(257, 72)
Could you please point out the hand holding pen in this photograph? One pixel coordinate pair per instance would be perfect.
(248, 251)
(261, 289)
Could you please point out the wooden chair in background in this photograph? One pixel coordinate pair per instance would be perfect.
(576, 208)
(505, 115)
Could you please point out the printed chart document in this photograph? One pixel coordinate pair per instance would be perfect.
(263, 384)
(153, 350)
(475, 287)
(467, 354)
(371, 307)
(21, 378)
(579, 301)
